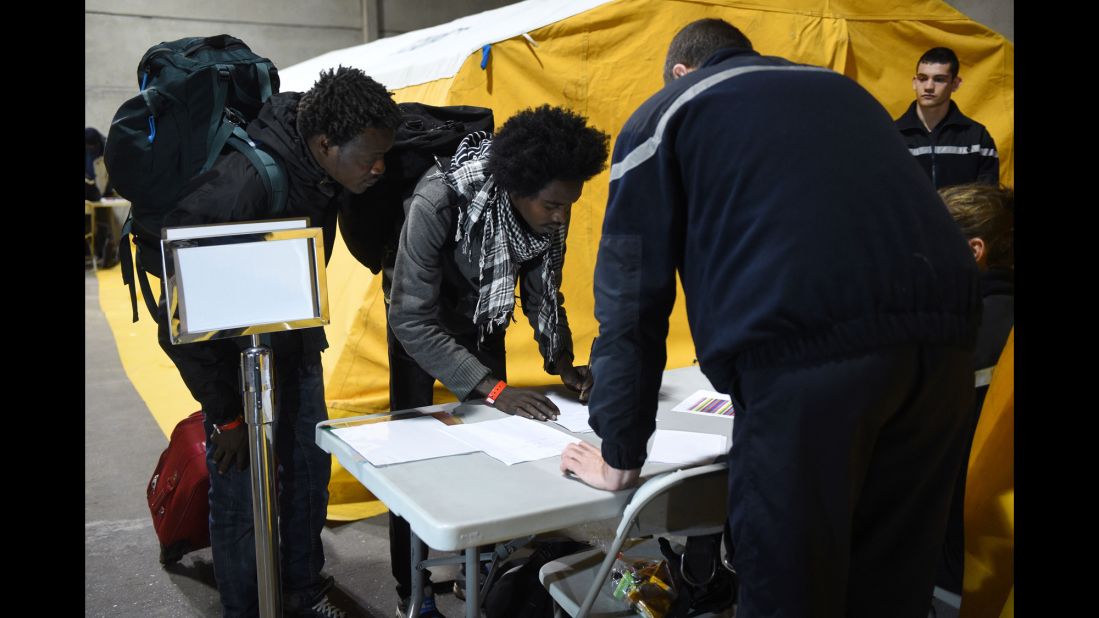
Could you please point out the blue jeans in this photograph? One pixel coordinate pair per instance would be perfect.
(303, 470)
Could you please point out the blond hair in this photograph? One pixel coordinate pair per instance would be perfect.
(986, 212)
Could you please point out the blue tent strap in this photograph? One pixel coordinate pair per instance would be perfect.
(484, 55)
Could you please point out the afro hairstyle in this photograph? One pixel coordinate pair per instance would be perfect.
(538, 146)
(343, 103)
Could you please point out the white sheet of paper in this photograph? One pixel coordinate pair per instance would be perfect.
(573, 416)
(686, 447)
(717, 407)
(410, 439)
(513, 439)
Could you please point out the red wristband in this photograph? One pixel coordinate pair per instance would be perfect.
(495, 392)
(233, 424)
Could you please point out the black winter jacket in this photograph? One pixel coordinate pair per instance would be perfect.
(958, 151)
(233, 191)
(801, 228)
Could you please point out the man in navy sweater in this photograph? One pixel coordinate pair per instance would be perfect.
(828, 292)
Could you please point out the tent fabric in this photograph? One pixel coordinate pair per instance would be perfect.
(988, 588)
(605, 62)
(603, 59)
(429, 54)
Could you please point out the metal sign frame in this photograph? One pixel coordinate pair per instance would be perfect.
(231, 263)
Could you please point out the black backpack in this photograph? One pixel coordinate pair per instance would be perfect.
(197, 94)
(370, 222)
(516, 590)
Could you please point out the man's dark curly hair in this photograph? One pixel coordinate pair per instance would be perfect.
(343, 103)
(537, 146)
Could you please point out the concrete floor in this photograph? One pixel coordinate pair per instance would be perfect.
(122, 573)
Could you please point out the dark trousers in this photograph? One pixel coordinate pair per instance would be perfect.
(840, 477)
(211, 369)
(412, 387)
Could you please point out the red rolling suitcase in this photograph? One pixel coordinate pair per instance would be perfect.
(178, 492)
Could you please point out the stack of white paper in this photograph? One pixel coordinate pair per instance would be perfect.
(686, 447)
(405, 440)
(573, 416)
(513, 439)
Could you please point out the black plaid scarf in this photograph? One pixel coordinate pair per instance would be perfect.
(505, 243)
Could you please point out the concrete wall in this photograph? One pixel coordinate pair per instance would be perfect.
(117, 32)
(996, 14)
(400, 16)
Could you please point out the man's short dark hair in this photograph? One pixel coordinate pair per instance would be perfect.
(698, 39)
(940, 55)
(538, 146)
(343, 103)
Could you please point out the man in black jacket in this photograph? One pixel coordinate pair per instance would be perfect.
(828, 292)
(498, 211)
(327, 140)
(952, 148)
(986, 216)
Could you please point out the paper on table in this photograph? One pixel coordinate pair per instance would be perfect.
(513, 439)
(707, 403)
(573, 416)
(686, 447)
(404, 440)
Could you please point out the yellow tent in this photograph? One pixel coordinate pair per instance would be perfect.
(603, 59)
(989, 570)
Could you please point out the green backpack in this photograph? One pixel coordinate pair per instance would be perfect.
(197, 95)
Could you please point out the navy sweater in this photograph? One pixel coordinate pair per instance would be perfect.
(801, 227)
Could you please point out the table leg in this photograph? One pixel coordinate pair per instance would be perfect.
(417, 577)
(473, 587)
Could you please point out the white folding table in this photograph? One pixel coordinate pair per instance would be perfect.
(461, 502)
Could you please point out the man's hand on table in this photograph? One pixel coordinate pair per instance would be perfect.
(585, 462)
(523, 402)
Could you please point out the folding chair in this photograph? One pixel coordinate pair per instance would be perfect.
(686, 502)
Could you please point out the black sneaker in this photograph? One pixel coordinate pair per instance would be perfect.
(323, 609)
(318, 606)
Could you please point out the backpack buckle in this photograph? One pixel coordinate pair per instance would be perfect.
(234, 117)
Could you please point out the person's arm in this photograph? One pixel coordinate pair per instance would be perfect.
(532, 293)
(414, 304)
(634, 293)
(414, 310)
(989, 170)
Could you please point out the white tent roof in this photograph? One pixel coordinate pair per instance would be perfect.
(433, 53)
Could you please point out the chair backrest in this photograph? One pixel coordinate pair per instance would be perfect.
(687, 502)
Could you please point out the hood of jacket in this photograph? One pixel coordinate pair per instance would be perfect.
(275, 129)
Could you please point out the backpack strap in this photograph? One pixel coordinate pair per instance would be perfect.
(146, 291)
(270, 172)
(219, 129)
(263, 71)
(125, 256)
